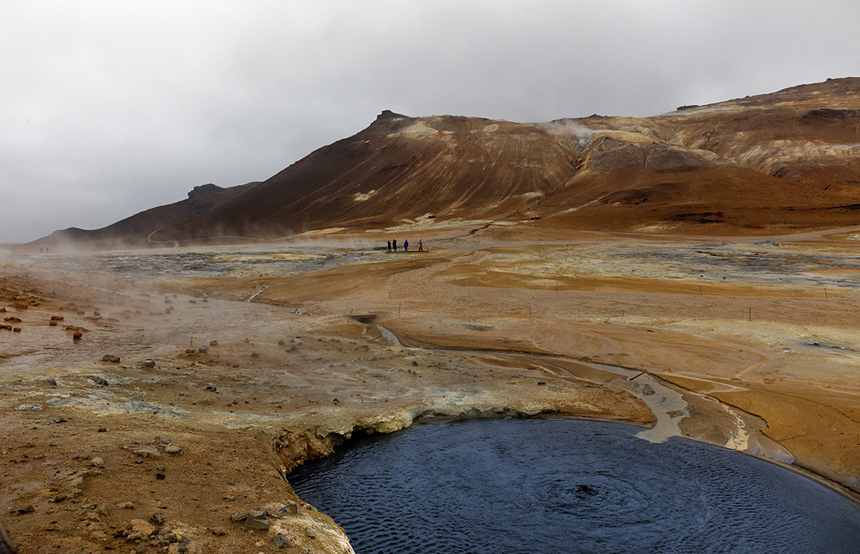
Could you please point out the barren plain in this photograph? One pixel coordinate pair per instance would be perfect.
(235, 364)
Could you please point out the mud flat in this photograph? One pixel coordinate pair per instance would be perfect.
(236, 364)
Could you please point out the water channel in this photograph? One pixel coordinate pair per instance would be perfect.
(545, 486)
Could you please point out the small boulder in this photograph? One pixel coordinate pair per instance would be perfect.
(143, 527)
(289, 508)
(143, 451)
(110, 358)
(172, 449)
(256, 519)
(148, 364)
(281, 541)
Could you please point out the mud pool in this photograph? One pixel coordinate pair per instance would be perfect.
(562, 486)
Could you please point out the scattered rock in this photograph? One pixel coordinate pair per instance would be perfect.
(100, 381)
(289, 508)
(51, 381)
(238, 516)
(157, 518)
(145, 528)
(255, 354)
(160, 475)
(110, 358)
(203, 350)
(171, 449)
(281, 541)
(281, 342)
(102, 430)
(97, 462)
(213, 343)
(211, 388)
(311, 534)
(218, 531)
(148, 364)
(125, 506)
(57, 318)
(256, 519)
(103, 509)
(28, 509)
(33, 407)
(185, 546)
(77, 335)
(647, 390)
(144, 451)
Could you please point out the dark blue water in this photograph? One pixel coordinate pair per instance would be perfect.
(568, 486)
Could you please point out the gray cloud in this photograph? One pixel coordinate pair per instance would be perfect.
(109, 108)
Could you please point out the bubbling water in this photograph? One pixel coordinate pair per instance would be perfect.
(563, 486)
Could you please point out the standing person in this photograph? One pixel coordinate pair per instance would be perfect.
(420, 245)
(406, 245)
(389, 246)
(394, 245)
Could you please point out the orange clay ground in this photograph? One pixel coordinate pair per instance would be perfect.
(215, 397)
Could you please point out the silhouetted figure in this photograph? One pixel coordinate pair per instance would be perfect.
(420, 245)
(389, 246)
(394, 245)
(406, 245)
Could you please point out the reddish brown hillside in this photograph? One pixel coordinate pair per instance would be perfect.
(400, 169)
(771, 163)
(779, 162)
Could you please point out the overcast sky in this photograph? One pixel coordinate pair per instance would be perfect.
(111, 107)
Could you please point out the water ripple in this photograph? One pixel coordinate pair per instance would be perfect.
(565, 486)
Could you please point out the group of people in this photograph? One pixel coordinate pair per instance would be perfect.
(392, 245)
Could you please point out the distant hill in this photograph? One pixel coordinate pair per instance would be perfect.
(135, 231)
(779, 162)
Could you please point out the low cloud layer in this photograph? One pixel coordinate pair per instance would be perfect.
(109, 108)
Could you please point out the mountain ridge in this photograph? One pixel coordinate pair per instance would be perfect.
(781, 162)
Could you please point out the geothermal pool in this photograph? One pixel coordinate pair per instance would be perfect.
(541, 486)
